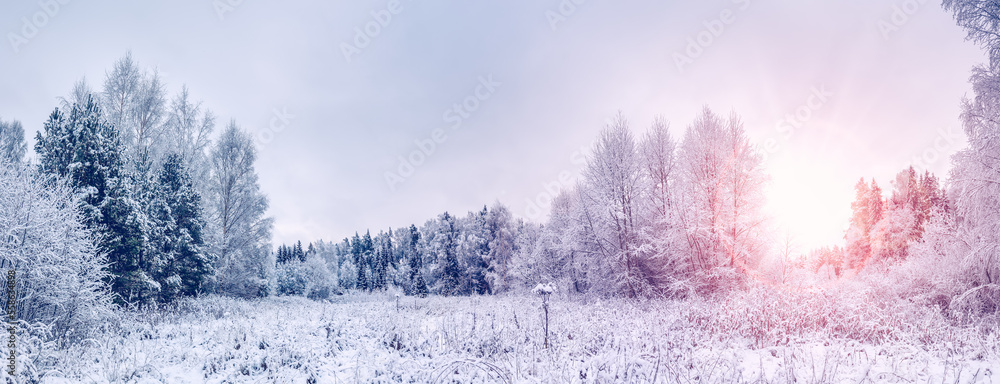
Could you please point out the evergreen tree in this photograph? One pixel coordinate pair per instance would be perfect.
(475, 251)
(297, 252)
(449, 273)
(188, 263)
(501, 246)
(417, 282)
(365, 267)
(382, 260)
(868, 208)
(283, 254)
(82, 147)
(361, 249)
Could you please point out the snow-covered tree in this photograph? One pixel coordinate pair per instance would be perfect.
(80, 93)
(59, 268)
(415, 259)
(722, 181)
(183, 247)
(442, 237)
(473, 251)
(501, 232)
(134, 101)
(382, 262)
(310, 278)
(187, 132)
(981, 21)
(81, 146)
(363, 249)
(975, 179)
(974, 189)
(240, 233)
(702, 165)
(909, 208)
(744, 225)
(611, 193)
(868, 209)
(665, 234)
(565, 250)
(12, 146)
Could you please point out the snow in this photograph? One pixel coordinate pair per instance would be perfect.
(364, 338)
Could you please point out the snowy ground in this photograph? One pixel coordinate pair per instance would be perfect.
(361, 338)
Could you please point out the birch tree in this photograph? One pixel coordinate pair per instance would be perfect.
(722, 181)
(59, 270)
(611, 192)
(187, 132)
(664, 234)
(240, 232)
(134, 101)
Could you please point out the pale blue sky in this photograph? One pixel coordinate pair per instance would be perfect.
(325, 171)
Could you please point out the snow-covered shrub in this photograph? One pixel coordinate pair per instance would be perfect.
(714, 283)
(347, 276)
(58, 270)
(246, 277)
(310, 278)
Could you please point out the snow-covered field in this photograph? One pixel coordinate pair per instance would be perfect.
(362, 338)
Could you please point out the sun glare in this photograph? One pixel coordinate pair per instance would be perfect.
(806, 202)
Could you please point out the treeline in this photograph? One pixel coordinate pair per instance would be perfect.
(649, 217)
(447, 255)
(884, 228)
